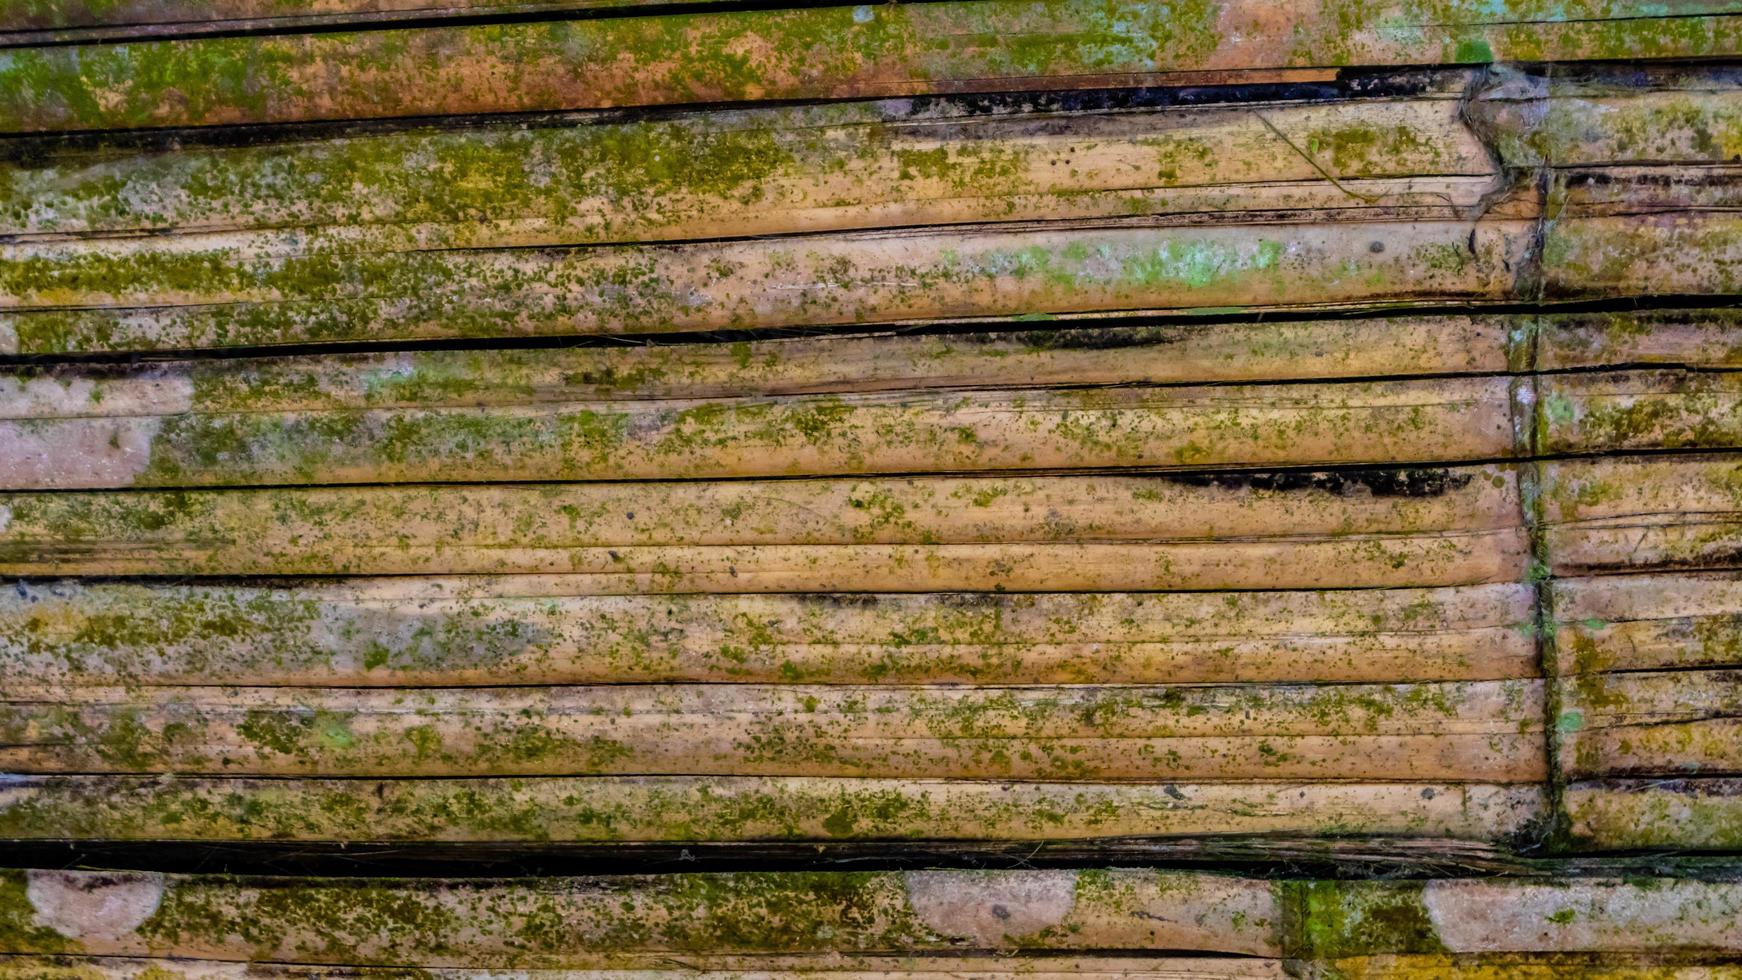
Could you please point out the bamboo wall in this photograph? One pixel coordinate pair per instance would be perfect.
(1042, 487)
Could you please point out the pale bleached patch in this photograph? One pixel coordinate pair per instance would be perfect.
(992, 909)
(71, 454)
(93, 904)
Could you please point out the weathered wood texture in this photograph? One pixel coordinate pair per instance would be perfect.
(925, 469)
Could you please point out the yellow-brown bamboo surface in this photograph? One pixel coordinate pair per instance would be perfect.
(1290, 440)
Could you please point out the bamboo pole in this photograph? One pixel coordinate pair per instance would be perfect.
(745, 809)
(758, 170)
(143, 297)
(1630, 410)
(1476, 730)
(533, 630)
(594, 922)
(816, 967)
(1646, 722)
(1301, 530)
(1697, 814)
(829, 52)
(833, 435)
(877, 362)
(1640, 514)
(1648, 622)
(603, 922)
(62, 21)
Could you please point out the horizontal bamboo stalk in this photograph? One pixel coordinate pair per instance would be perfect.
(736, 808)
(1644, 249)
(1699, 814)
(1670, 114)
(1663, 917)
(1641, 514)
(1680, 965)
(1645, 722)
(1477, 730)
(1424, 527)
(761, 967)
(1625, 410)
(861, 165)
(764, 170)
(1082, 356)
(1181, 354)
(1648, 622)
(59, 21)
(582, 922)
(458, 632)
(170, 293)
(1418, 966)
(594, 922)
(829, 52)
(821, 435)
(163, 300)
(1709, 339)
(446, 431)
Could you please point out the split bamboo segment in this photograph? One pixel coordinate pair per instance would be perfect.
(885, 404)
(1446, 420)
(1648, 623)
(1365, 927)
(1471, 730)
(1666, 812)
(59, 21)
(815, 967)
(1680, 114)
(1644, 666)
(1205, 353)
(807, 53)
(1420, 966)
(739, 172)
(608, 921)
(1631, 410)
(742, 809)
(1648, 722)
(1709, 339)
(1116, 533)
(535, 630)
(172, 301)
(1642, 514)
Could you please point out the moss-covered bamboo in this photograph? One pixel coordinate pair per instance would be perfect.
(726, 809)
(1447, 420)
(1643, 513)
(808, 53)
(743, 171)
(1485, 731)
(1368, 927)
(140, 296)
(532, 630)
(597, 922)
(1292, 530)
